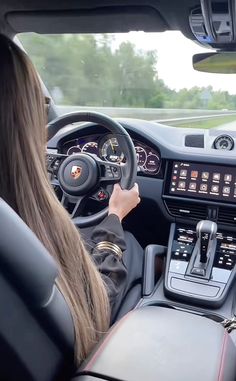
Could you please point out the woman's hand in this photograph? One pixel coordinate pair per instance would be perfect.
(123, 201)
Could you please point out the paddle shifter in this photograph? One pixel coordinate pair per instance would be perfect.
(206, 233)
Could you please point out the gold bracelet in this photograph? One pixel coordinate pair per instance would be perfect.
(106, 245)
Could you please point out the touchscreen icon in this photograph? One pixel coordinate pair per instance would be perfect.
(194, 174)
(228, 178)
(183, 173)
(226, 190)
(192, 186)
(215, 188)
(205, 175)
(181, 184)
(203, 187)
(216, 176)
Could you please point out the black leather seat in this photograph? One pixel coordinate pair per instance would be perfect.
(36, 327)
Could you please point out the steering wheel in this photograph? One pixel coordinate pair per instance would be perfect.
(82, 176)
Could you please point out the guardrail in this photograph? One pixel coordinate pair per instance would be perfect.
(157, 114)
(176, 121)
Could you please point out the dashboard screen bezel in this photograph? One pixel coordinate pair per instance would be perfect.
(194, 197)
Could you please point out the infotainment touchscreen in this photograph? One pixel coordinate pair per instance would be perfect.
(204, 181)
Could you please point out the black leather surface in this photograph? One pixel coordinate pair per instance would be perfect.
(36, 328)
(155, 343)
(24, 259)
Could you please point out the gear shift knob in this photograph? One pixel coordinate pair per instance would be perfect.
(206, 232)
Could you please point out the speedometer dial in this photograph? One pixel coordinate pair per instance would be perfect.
(153, 163)
(141, 156)
(73, 150)
(111, 151)
(90, 147)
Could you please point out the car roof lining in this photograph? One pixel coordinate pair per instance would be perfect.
(101, 20)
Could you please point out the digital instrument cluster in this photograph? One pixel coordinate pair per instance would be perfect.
(107, 148)
(203, 181)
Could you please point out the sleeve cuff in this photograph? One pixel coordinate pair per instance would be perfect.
(110, 229)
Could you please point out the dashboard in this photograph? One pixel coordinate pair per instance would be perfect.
(184, 175)
(107, 148)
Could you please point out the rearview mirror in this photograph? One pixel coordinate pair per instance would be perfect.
(222, 62)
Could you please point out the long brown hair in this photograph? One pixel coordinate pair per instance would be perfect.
(25, 186)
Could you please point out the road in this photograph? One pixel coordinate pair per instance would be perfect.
(156, 114)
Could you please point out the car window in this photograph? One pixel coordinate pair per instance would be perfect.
(137, 74)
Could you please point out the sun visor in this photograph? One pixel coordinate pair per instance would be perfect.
(99, 20)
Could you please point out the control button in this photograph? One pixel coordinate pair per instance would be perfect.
(228, 178)
(183, 173)
(192, 186)
(178, 267)
(194, 174)
(102, 195)
(197, 271)
(216, 176)
(116, 172)
(215, 188)
(205, 175)
(226, 190)
(203, 187)
(109, 172)
(181, 184)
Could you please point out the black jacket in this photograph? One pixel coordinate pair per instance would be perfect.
(112, 269)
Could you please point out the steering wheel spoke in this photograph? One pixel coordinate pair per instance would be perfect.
(74, 205)
(110, 173)
(53, 162)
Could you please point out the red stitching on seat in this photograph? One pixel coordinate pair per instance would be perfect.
(105, 341)
(223, 355)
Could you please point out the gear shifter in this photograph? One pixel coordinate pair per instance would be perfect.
(206, 233)
(202, 258)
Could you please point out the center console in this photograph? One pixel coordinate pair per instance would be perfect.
(201, 256)
(200, 267)
(178, 329)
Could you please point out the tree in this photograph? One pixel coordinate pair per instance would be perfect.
(95, 71)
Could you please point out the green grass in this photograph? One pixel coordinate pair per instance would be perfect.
(207, 123)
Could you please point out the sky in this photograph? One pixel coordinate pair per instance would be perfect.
(174, 65)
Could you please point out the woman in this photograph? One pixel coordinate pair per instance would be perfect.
(25, 187)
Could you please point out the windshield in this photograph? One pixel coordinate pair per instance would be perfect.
(138, 75)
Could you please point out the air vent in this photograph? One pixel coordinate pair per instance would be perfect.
(186, 209)
(227, 216)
